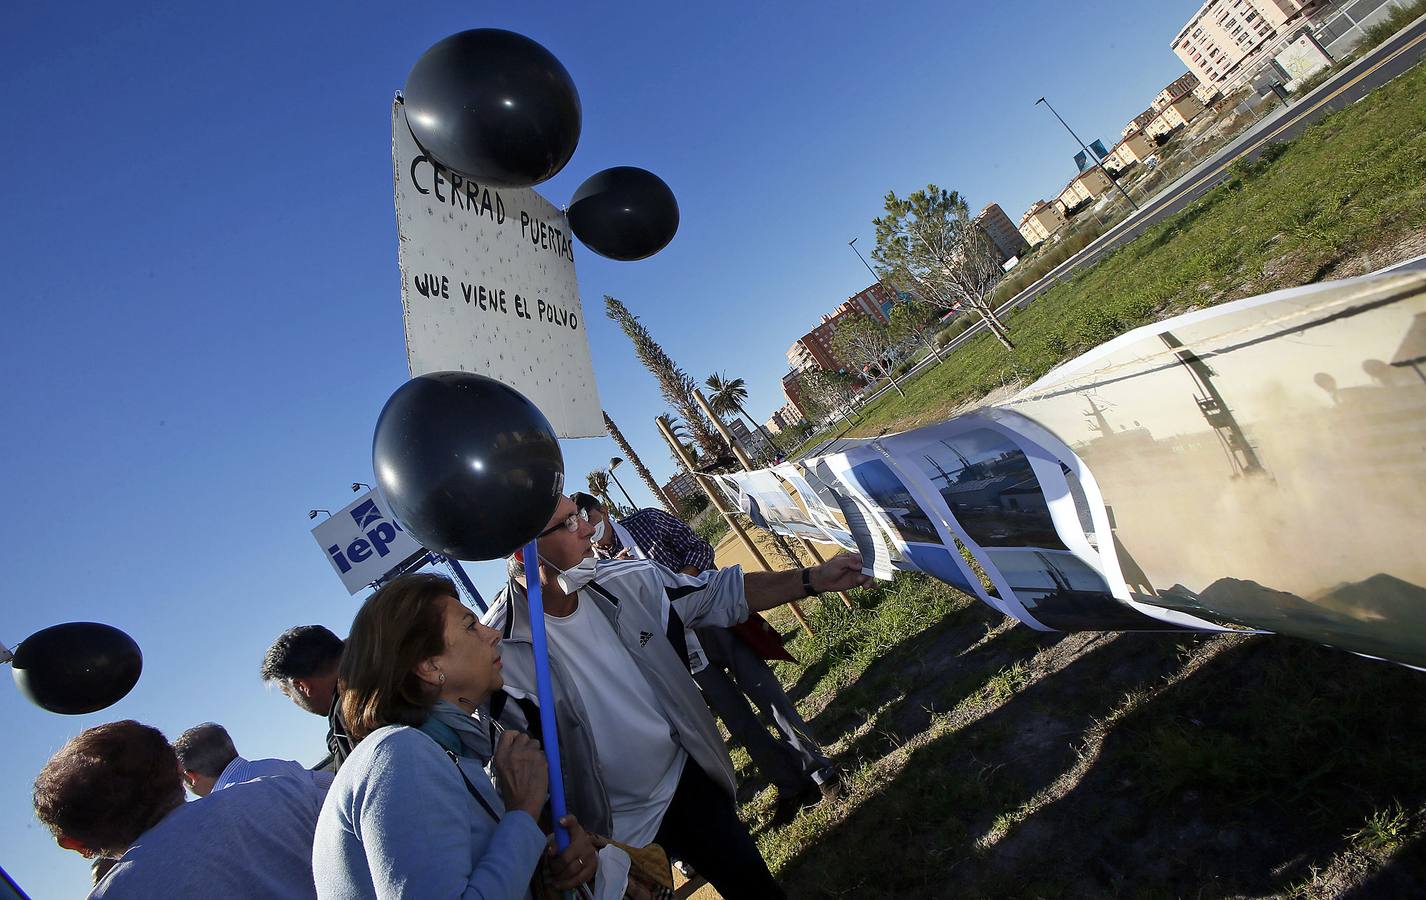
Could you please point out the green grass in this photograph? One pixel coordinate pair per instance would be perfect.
(1352, 183)
(983, 759)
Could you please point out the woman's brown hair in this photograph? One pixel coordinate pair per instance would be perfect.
(395, 629)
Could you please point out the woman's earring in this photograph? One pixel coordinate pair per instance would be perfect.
(443, 677)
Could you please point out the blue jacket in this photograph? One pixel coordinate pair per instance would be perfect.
(400, 822)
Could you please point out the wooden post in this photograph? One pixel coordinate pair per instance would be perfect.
(714, 498)
(747, 465)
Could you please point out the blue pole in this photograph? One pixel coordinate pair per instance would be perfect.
(546, 691)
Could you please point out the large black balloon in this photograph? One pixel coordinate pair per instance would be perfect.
(494, 106)
(471, 468)
(624, 213)
(78, 667)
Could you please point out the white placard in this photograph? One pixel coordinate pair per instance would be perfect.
(488, 286)
(364, 541)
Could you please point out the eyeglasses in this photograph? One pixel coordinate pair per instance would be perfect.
(569, 523)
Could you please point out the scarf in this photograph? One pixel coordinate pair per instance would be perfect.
(627, 540)
(461, 733)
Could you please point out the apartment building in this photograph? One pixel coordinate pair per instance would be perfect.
(1040, 221)
(815, 347)
(1132, 150)
(1226, 40)
(1083, 188)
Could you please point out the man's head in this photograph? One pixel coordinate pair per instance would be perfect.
(563, 543)
(303, 662)
(107, 786)
(590, 507)
(204, 751)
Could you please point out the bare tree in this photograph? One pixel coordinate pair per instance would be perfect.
(865, 342)
(930, 242)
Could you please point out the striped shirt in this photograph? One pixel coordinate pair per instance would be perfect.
(666, 540)
(240, 770)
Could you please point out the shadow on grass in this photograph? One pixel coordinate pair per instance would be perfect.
(1134, 765)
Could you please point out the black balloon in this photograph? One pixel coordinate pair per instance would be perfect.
(494, 106)
(471, 468)
(78, 667)
(624, 213)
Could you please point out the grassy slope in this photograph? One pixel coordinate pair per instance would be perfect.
(1352, 183)
(985, 759)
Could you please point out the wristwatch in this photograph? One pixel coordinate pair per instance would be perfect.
(807, 588)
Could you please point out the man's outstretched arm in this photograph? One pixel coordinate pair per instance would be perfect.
(768, 589)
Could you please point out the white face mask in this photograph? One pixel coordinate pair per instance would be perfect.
(598, 533)
(576, 577)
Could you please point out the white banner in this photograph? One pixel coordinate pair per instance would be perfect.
(364, 542)
(488, 286)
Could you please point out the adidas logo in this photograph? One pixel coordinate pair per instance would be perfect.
(644, 638)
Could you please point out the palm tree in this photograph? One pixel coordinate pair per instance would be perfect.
(648, 477)
(674, 383)
(680, 434)
(599, 486)
(728, 398)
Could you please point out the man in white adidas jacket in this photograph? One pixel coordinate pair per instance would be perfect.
(643, 759)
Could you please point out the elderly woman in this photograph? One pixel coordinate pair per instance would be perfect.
(412, 812)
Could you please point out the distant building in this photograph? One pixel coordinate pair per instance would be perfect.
(815, 347)
(1082, 189)
(782, 419)
(1226, 41)
(1040, 221)
(752, 442)
(1177, 113)
(1176, 88)
(792, 390)
(1003, 233)
(682, 487)
(1139, 122)
(1132, 150)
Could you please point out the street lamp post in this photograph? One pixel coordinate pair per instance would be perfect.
(612, 463)
(1089, 154)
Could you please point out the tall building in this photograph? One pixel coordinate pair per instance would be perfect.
(1227, 40)
(1003, 233)
(752, 442)
(682, 486)
(815, 347)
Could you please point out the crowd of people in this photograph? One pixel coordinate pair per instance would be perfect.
(435, 783)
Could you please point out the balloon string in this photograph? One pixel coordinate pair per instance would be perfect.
(545, 689)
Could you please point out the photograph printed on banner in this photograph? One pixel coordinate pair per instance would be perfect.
(1002, 503)
(783, 513)
(910, 530)
(1083, 521)
(878, 554)
(820, 504)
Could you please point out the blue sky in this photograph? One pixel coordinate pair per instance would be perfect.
(202, 309)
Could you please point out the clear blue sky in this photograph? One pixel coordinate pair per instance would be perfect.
(202, 309)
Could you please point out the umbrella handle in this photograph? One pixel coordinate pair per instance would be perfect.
(546, 691)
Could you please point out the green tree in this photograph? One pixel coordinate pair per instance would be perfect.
(648, 477)
(929, 242)
(680, 434)
(866, 343)
(727, 399)
(911, 320)
(675, 385)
